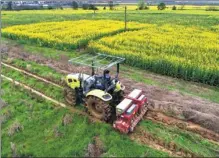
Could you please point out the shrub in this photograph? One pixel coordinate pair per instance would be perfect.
(174, 7)
(212, 9)
(50, 7)
(92, 7)
(15, 127)
(146, 8)
(141, 4)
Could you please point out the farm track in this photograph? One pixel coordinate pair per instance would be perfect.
(152, 115)
(133, 137)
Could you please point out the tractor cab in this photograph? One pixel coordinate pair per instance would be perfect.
(100, 77)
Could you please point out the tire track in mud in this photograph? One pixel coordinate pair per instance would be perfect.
(152, 115)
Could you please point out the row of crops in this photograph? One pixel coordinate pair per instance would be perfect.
(68, 34)
(184, 52)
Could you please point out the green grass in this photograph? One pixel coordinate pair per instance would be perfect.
(49, 53)
(183, 139)
(45, 88)
(40, 117)
(38, 69)
(192, 17)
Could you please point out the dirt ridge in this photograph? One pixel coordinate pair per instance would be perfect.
(144, 137)
(189, 126)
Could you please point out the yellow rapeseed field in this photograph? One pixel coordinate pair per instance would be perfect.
(67, 34)
(191, 53)
(185, 52)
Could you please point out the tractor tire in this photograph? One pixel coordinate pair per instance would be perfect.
(98, 108)
(121, 95)
(70, 96)
(118, 97)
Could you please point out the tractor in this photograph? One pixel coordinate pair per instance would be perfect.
(103, 95)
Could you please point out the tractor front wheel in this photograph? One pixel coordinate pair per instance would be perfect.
(98, 108)
(70, 96)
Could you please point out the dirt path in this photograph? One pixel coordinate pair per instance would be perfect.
(189, 108)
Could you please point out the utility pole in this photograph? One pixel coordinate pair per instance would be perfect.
(125, 18)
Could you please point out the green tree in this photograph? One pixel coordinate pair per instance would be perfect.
(85, 6)
(9, 6)
(74, 5)
(111, 5)
(92, 7)
(141, 4)
(161, 6)
(174, 7)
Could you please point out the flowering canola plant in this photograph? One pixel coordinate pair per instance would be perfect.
(190, 53)
(67, 34)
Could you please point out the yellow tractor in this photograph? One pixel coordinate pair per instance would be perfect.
(100, 93)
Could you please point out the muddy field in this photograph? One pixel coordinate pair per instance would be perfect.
(189, 108)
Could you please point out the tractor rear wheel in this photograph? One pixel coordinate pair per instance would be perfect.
(98, 108)
(70, 96)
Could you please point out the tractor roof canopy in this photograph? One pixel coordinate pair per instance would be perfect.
(98, 60)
